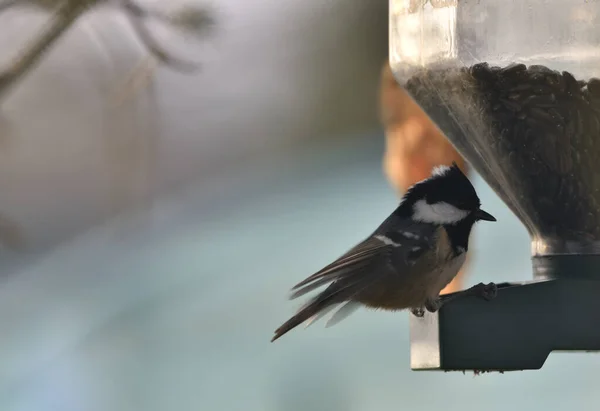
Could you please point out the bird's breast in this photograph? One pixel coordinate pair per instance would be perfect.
(448, 263)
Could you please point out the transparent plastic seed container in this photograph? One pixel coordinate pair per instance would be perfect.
(515, 86)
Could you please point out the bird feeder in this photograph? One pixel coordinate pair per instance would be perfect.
(515, 86)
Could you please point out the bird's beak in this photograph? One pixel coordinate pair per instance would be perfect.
(483, 215)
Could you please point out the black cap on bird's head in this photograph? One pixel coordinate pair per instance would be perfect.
(447, 197)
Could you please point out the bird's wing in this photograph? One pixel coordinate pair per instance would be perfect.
(382, 243)
(358, 257)
(356, 270)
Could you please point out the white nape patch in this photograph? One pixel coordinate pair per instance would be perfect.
(415, 249)
(461, 249)
(437, 213)
(440, 170)
(387, 241)
(410, 236)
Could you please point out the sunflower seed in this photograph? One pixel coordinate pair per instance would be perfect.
(540, 126)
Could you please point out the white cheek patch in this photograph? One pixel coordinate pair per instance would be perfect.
(437, 213)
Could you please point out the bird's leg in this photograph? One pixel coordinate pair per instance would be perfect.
(486, 291)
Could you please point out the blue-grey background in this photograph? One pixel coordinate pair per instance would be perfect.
(178, 314)
(162, 236)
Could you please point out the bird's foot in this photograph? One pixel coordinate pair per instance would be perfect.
(430, 305)
(418, 312)
(433, 305)
(486, 291)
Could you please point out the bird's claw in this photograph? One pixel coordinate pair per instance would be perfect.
(418, 312)
(433, 305)
(430, 305)
(486, 291)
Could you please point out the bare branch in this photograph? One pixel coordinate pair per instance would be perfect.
(68, 12)
(137, 15)
(198, 21)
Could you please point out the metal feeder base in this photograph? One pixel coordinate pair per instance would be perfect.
(515, 331)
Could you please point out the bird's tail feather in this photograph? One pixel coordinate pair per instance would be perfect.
(312, 311)
(342, 312)
(319, 315)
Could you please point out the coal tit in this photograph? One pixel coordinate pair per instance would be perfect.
(407, 261)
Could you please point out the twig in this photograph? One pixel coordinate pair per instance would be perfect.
(67, 13)
(196, 20)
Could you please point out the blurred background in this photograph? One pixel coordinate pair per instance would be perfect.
(159, 233)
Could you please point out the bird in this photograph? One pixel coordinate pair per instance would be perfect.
(407, 260)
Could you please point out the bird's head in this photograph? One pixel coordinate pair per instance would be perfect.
(447, 197)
